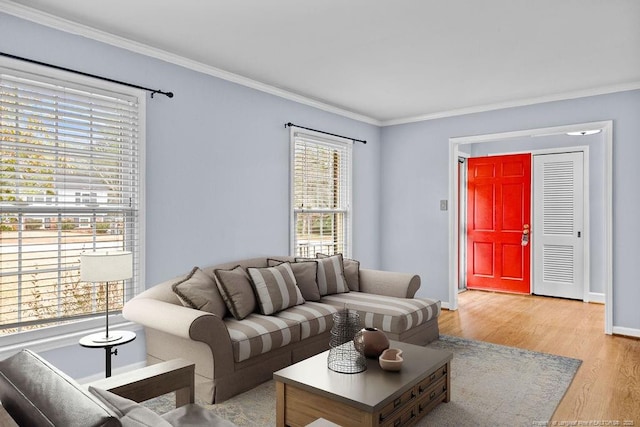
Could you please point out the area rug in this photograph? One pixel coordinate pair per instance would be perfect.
(491, 385)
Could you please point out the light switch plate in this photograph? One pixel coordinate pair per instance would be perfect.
(444, 205)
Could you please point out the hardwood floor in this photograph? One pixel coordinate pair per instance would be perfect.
(607, 385)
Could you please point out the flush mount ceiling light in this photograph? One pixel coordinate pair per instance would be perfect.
(584, 132)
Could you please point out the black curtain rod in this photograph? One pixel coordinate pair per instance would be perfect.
(326, 133)
(57, 67)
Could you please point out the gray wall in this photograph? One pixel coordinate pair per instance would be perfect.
(218, 168)
(217, 179)
(415, 178)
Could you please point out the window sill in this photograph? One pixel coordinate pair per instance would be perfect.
(60, 336)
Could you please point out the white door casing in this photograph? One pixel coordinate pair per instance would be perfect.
(455, 148)
(558, 232)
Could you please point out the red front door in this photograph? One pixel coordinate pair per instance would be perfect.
(498, 216)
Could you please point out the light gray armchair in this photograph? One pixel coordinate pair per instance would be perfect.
(35, 393)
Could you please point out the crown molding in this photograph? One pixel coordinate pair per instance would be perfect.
(72, 27)
(76, 28)
(603, 90)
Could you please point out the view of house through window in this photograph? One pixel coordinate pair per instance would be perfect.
(69, 182)
(321, 195)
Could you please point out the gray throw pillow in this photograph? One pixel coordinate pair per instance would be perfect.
(331, 278)
(129, 412)
(351, 271)
(306, 273)
(198, 290)
(236, 290)
(275, 288)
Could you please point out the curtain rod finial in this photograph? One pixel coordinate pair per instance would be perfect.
(167, 94)
(326, 133)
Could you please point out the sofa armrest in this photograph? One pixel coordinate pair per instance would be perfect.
(152, 381)
(187, 323)
(389, 283)
(163, 316)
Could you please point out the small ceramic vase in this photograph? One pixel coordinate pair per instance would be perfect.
(391, 359)
(371, 342)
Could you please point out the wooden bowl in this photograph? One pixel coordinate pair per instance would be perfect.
(391, 359)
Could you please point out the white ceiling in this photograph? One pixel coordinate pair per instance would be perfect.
(384, 61)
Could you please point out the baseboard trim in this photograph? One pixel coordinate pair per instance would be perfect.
(115, 371)
(596, 297)
(629, 332)
(445, 305)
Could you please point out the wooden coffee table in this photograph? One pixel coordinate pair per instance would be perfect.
(308, 390)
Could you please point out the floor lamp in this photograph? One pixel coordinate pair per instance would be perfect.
(106, 266)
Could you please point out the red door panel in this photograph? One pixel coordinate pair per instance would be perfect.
(498, 212)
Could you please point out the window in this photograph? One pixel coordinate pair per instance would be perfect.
(321, 194)
(70, 181)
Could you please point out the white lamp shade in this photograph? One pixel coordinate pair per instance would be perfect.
(106, 266)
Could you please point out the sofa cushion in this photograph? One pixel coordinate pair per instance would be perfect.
(275, 288)
(389, 314)
(35, 393)
(306, 273)
(258, 334)
(198, 290)
(236, 290)
(314, 318)
(331, 278)
(128, 411)
(351, 271)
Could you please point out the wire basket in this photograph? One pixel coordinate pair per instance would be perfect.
(343, 355)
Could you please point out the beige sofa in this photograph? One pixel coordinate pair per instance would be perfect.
(232, 356)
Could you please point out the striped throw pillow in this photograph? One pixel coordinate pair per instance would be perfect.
(306, 273)
(275, 288)
(331, 278)
(351, 271)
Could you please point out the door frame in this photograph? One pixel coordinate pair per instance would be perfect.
(606, 127)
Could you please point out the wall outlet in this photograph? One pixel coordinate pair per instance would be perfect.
(444, 205)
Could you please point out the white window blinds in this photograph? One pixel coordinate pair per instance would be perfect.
(321, 195)
(69, 182)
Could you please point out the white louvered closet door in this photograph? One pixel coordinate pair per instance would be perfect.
(558, 225)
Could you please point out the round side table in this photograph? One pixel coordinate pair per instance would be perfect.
(97, 341)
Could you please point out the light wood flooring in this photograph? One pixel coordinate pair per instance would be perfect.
(607, 384)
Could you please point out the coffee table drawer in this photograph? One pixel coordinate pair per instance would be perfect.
(432, 396)
(432, 379)
(397, 405)
(420, 399)
(403, 418)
